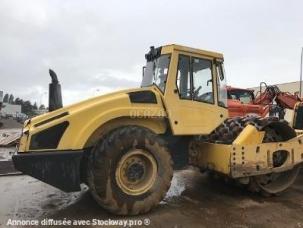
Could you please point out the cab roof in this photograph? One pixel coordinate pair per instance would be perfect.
(175, 47)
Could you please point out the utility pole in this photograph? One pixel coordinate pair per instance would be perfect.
(301, 72)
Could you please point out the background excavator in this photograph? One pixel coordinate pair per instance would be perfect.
(272, 101)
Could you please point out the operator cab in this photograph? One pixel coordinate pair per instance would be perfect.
(245, 96)
(192, 80)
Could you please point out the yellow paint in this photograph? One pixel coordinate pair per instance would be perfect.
(247, 157)
(189, 117)
(214, 157)
(91, 118)
(249, 136)
(87, 116)
(141, 184)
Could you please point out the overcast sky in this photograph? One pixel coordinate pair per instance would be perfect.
(99, 46)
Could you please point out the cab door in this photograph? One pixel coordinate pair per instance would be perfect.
(191, 95)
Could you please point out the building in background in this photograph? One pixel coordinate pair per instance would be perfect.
(41, 111)
(10, 110)
(291, 87)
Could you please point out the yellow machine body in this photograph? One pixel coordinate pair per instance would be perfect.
(54, 143)
(90, 119)
(247, 155)
(87, 118)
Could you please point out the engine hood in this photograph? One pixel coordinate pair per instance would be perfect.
(82, 118)
(91, 102)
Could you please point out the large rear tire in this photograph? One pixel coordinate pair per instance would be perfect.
(130, 171)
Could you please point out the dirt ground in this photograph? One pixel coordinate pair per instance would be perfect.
(194, 200)
(6, 164)
(10, 123)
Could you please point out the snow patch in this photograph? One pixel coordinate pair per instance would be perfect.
(176, 188)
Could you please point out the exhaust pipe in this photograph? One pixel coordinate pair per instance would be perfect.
(55, 97)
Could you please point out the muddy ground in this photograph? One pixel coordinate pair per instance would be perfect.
(10, 123)
(6, 164)
(194, 200)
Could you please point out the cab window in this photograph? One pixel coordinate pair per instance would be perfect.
(243, 96)
(155, 72)
(202, 80)
(221, 84)
(183, 77)
(194, 79)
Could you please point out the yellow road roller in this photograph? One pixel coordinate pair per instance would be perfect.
(125, 145)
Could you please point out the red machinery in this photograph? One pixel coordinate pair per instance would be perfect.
(271, 101)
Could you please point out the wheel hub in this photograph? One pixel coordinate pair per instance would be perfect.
(136, 172)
